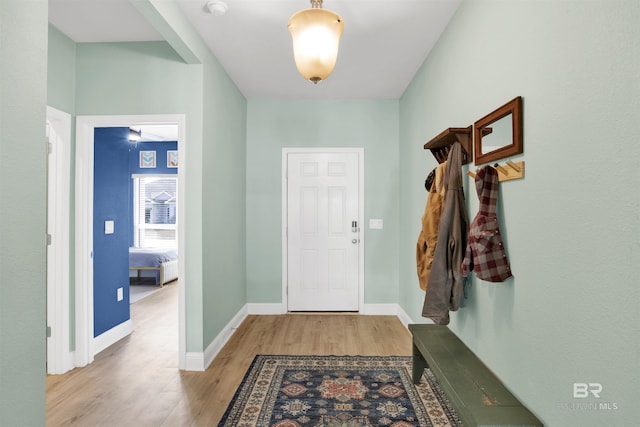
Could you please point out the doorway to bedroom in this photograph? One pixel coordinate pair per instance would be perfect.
(127, 190)
(153, 209)
(135, 218)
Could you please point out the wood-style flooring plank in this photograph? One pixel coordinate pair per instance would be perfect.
(137, 382)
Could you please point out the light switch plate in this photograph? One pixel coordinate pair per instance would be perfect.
(376, 224)
(108, 227)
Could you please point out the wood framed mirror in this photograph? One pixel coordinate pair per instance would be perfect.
(499, 134)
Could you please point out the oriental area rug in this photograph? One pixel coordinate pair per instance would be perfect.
(337, 391)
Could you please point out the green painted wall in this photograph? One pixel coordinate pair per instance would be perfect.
(223, 202)
(61, 71)
(126, 78)
(571, 226)
(274, 124)
(23, 94)
(61, 94)
(149, 78)
(222, 183)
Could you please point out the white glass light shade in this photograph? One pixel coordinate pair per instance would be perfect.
(316, 35)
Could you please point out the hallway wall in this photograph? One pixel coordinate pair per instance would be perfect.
(23, 71)
(274, 124)
(571, 226)
(150, 78)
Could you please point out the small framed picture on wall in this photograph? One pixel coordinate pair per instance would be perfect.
(147, 159)
(172, 158)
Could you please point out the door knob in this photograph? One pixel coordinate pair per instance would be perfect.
(354, 241)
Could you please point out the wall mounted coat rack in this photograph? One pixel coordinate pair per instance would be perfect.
(441, 144)
(512, 170)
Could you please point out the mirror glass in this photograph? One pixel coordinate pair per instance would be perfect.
(499, 134)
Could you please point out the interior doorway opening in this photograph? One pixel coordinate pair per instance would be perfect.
(86, 344)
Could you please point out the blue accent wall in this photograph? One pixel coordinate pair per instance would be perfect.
(111, 201)
(115, 160)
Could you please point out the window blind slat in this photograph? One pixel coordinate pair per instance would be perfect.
(155, 210)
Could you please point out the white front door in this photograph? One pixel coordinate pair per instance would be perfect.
(323, 237)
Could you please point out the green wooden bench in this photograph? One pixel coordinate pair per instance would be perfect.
(477, 395)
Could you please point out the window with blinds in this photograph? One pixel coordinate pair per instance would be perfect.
(155, 208)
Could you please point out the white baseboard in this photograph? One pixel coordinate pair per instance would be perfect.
(112, 336)
(194, 361)
(404, 318)
(221, 339)
(388, 310)
(69, 361)
(368, 310)
(264, 309)
(379, 310)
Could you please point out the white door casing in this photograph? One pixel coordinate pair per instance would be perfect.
(323, 242)
(58, 138)
(85, 126)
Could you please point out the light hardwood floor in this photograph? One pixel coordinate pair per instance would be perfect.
(136, 382)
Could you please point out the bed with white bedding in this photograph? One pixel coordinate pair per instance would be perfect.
(164, 261)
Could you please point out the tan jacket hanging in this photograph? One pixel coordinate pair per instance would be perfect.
(428, 237)
(446, 287)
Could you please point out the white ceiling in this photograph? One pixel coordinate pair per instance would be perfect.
(383, 44)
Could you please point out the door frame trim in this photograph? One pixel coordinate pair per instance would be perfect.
(356, 150)
(85, 125)
(59, 357)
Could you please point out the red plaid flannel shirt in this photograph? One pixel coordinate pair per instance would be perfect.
(485, 252)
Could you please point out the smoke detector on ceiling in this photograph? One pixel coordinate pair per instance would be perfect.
(217, 7)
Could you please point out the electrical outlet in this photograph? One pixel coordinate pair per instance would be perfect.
(120, 294)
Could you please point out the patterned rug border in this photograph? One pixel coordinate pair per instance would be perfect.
(428, 386)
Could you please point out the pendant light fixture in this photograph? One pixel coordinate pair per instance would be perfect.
(316, 35)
